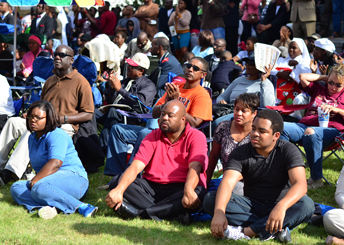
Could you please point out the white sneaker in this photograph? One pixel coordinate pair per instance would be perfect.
(234, 233)
(47, 212)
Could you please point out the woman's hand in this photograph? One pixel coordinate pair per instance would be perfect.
(265, 75)
(285, 76)
(313, 65)
(293, 63)
(177, 12)
(222, 102)
(328, 109)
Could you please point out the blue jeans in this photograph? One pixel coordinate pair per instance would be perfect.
(243, 211)
(338, 10)
(181, 40)
(120, 136)
(62, 190)
(216, 122)
(313, 144)
(218, 32)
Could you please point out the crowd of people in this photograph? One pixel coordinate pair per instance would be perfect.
(184, 68)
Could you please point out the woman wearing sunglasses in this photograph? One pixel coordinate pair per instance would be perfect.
(61, 180)
(314, 138)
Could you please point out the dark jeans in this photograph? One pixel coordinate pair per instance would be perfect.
(157, 201)
(247, 30)
(245, 212)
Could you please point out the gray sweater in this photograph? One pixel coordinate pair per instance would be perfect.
(243, 85)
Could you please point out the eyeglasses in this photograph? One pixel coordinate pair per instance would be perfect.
(130, 24)
(217, 46)
(338, 85)
(61, 55)
(36, 118)
(195, 68)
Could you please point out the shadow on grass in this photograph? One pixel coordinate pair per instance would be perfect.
(145, 234)
(315, 232)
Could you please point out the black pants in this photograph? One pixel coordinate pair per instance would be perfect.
(157, 201)
(3, 120)
(232, 39)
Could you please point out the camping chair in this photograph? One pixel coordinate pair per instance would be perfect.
(154, 76)
(336, 145)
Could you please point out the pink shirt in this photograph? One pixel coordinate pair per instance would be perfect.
(319, 95)
(251, 8)
(169, 163)
(28, 60)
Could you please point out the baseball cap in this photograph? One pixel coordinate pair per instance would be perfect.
(249, 58)
(139, 59)
(315, 36)
(325, 44)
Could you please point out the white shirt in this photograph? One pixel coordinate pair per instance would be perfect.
(6, 101)
(169, 12)
(39, 19)
(4, 16)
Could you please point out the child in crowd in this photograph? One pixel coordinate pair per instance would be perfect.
(249, 49)
(49, 46)
(223, 75)
(19, 56)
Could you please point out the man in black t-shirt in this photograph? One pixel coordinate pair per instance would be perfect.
(275, 186)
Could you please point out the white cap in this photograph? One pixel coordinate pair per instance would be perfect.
(325, 44)
(139, 59)
(161, 34)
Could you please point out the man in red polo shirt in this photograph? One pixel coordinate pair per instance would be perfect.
(173, 184)
(108, 21)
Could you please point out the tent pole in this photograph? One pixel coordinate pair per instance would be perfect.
(15, 46)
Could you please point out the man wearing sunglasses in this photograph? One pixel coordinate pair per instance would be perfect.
(121, 92)
(198, 107)
(71, 95)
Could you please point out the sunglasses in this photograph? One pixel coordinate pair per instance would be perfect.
(61, 55)
(195, 68)
(338, 85)
(36, 118)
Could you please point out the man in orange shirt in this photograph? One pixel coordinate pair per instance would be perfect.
(198, 107)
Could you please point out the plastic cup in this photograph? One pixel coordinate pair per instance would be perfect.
(323, 118)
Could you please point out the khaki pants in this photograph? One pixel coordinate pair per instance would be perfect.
(334, 222)
(303, 29)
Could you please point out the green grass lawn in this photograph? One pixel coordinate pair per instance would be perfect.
(17, 226)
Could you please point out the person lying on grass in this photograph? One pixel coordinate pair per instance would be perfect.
(61, 180)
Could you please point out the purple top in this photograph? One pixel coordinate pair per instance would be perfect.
(320, 95)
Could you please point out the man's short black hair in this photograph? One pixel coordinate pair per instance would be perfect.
(163, 42)
(253, 39)
(203, 61)
(274, 117)
(107, 4)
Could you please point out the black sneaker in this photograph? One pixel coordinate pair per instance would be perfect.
(5, 176)
(126, 210)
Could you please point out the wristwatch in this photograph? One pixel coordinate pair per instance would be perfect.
(31, 184)
(65, 119)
